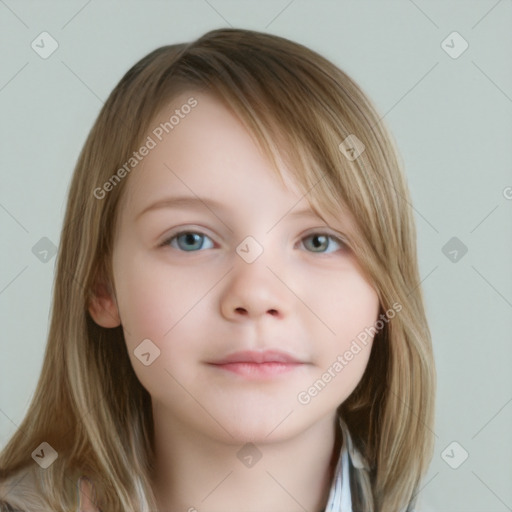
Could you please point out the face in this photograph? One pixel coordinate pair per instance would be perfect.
(246, 296)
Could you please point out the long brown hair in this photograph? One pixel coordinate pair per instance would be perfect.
(89, 405)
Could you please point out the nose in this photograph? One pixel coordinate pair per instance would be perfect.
(254, 290)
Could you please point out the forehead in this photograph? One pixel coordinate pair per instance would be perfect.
(199, 149)
(205, 146)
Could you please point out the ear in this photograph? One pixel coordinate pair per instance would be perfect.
(103, 306)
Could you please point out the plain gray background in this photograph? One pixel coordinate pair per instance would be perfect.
(451, 118)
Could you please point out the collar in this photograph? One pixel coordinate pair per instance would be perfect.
(340, 497)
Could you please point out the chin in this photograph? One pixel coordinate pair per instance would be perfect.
(261, 430)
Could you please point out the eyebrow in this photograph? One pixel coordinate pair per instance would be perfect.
(189, 202)
(181, 202)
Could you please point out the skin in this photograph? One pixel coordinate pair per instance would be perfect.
(87, 497)
(198, 300)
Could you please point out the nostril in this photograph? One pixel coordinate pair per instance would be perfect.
(241, 310)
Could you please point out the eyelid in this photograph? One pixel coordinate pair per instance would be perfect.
(336, 235)
(199, 230)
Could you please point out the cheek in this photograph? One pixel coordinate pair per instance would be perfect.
(347, 305)
(161, 305)
(166, 305)
(158, 306)
(358, 313)
(350, 309)
(146, 308)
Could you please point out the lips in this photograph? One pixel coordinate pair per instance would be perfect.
(268, 364)
(252, 356)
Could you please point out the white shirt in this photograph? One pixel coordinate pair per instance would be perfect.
(340, 498)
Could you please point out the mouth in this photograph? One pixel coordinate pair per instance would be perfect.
(253, 364)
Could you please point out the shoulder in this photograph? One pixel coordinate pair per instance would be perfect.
(22, 493)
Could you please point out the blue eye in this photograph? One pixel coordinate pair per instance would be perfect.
(322, 240)
(188, 241)
(192, 241)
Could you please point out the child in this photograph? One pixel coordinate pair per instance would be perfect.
(282, 364)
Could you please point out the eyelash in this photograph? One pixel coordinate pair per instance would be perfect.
(168, 240)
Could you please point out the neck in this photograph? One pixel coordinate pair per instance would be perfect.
(195, 473)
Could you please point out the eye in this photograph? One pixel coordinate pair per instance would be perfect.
(193, 241)
(187, 241)
(321, 241)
